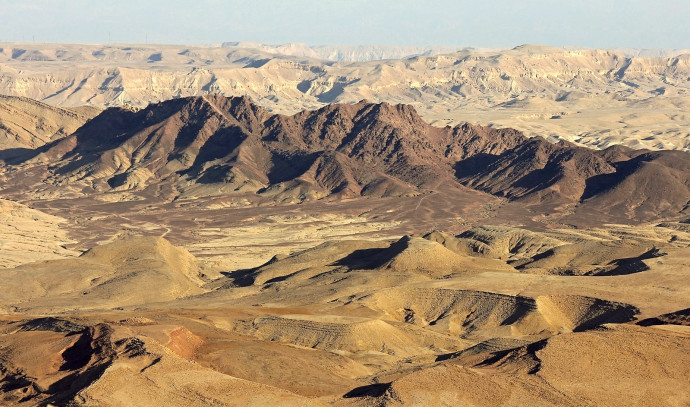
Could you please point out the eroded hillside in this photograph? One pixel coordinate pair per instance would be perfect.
(439, 319)
(592, 97)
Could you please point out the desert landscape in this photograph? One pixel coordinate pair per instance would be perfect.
(592, 97)
(247, 224)
(203, 251)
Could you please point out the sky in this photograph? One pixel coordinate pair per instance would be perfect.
(478, 23)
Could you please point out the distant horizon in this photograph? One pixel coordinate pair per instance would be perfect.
(219, 44)
(637, 24)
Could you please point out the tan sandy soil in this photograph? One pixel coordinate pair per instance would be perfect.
(28, 235)
(439, 320)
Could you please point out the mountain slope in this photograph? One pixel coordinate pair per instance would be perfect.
(635, 183)
(647, 185)
(125, 272)
(213, 145)
(26, 123)
(235, 146)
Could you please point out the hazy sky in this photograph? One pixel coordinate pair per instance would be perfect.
(593, 23)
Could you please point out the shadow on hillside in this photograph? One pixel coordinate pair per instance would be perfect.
(15, 156)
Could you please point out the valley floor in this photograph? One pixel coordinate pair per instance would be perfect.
(349, 303)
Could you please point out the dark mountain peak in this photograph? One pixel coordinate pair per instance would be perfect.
(217, 139)
(364, 110)
(630, 184)
(240, 109)
(348, 150)
(400, 113)
(470, 139)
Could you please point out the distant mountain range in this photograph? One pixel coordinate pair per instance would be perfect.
(352, 53)
(363, 53)
(590, 97)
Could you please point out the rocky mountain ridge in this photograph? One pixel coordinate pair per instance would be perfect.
(211, 145)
